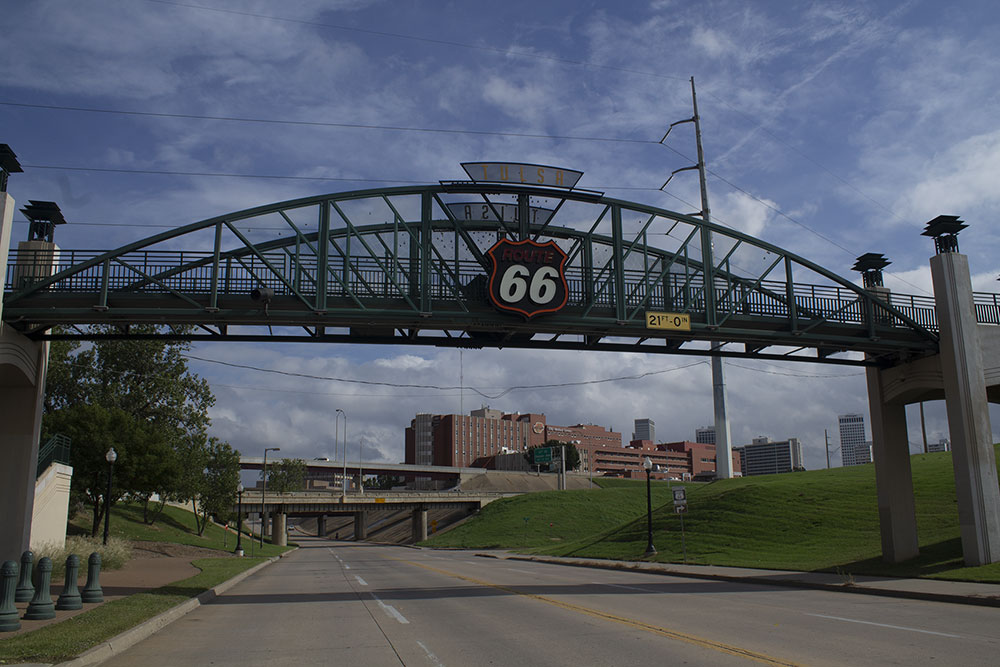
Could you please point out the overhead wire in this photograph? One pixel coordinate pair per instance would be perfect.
(398, 385)
(497, 50)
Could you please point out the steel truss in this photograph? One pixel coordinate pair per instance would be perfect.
(407, 266)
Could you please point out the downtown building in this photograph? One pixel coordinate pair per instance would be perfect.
(765, 457)
(477, 439)
(942, 445)
(644, 429)
(854, 449)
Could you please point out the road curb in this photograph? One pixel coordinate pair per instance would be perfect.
(861, 589)
(119, 643)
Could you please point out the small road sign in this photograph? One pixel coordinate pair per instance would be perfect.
(543, 454)
(680, 496)
(674, 321)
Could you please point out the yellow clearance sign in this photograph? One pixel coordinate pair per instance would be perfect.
(675, 321)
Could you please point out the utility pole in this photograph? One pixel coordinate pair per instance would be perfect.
(723, 445)
(923, 426)
(826, 437)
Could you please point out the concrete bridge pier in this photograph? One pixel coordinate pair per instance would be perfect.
(419, 524)
(265, 522)
(279, 530)
(22, 387)
(360, 526)
(321, 525)
(893, 477)
(962, 371)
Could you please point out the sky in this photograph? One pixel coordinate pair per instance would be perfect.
(831, 129)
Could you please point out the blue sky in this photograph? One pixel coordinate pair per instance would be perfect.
(831, 128)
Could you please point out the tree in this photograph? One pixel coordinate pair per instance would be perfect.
(216, 491)
(287, 475)
(572, 455)
(114, 390)
(94, 429)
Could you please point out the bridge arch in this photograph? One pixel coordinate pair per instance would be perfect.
(410, 265)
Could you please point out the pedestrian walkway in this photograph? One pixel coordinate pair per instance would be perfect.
(960, 592)
(150, 568)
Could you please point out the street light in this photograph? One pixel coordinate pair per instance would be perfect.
(239, 521)
(650, 549)
(344, 446)
(111, 457)
(361, 475)
(263, 489)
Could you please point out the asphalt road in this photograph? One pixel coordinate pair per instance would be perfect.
(343, 603)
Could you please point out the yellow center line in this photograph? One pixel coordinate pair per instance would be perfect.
(631, 622)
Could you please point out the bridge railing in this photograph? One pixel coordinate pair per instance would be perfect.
(190, 272)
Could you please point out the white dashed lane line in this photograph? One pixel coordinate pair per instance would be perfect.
(886, 625)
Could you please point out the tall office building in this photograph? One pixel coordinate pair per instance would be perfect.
(854, 449)
(764, 457)
(645, 429)
(705, 435)
(943, 445)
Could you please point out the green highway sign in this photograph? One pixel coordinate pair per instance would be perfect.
(543, 455)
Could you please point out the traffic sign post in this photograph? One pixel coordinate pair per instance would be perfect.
(680, 507)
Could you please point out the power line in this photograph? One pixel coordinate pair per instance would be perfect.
(310, 123)
(164, 172)
(398, 385)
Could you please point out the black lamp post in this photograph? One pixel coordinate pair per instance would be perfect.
(111, 457)
(650, 549)
(239, 521)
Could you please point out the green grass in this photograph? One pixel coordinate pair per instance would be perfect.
(62, 641)
(173, 525)
(823, 520)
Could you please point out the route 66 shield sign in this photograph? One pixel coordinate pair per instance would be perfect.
(528, 278)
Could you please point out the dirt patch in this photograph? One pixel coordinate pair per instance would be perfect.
(173, 550)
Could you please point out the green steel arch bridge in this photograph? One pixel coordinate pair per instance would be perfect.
(413, 265)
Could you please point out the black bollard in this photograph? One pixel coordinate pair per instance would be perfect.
(25, 591)
(92, 590)
(8, 612)
(41, 607)
(70, 596)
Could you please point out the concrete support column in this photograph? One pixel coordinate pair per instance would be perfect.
(279, 532)
(419, 525)
(321, 526)
(360, 526)
(22, 387)
(968, 414)
(265, 522)
(893, 478)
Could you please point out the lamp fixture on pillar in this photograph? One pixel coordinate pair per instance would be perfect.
(944, 230)
(8, 165)
(110, 457)
(239, 521)
(647, 464)
(43, 217)
(870, 266)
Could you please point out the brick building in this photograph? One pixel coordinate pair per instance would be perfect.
(460, 440)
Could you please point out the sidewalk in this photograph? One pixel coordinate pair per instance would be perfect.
(958, 592)
(153, 565)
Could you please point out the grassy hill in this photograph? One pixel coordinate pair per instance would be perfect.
(175, 524)
(816, 520)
